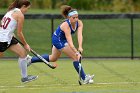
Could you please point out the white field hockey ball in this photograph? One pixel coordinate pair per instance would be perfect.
(91, 81)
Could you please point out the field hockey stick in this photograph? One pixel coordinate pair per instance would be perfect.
(40, 57)
(80, 66)
(44, 60)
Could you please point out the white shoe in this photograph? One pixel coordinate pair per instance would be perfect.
(29, 60)
(91, 80)
(88, 79)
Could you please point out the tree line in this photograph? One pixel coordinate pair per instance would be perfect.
(98, 5)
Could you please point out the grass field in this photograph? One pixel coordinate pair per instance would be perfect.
(111, 76)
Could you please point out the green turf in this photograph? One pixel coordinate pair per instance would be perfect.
(111, 76)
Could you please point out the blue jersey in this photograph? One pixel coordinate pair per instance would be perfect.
(59, 38)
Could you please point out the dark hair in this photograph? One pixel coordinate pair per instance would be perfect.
(19, 4)
(65, 9)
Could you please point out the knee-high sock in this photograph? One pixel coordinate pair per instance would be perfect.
(76, 65)
(23, 66)
(36, 59)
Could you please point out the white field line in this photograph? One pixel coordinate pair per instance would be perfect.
(54, 85)
(116, 83)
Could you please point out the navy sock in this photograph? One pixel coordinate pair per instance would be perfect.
(36, 59)
(76, 65)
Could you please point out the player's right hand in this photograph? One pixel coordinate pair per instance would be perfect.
(27, 47)
(78, 56)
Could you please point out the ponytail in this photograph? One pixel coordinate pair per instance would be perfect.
(65, 10)
(19, 4)
(13, 5)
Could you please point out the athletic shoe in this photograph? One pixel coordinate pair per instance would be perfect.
(28, 78)
(88, 79)
(91, 80)
(29, 60)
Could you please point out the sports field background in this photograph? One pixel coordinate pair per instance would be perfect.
(111, 76)
(102, 37)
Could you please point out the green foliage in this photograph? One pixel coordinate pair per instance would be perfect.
(96, 5)
(122, 5)
(41, 4)
(81, 4)
(5, 3)
(103, 5)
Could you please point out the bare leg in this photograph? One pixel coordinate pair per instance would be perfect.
(1, 54)
(69, 52)
(21, 52)
(50, 58)
(55, 54)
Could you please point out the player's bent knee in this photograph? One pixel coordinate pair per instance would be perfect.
(74, 58)
(1, 54)
(22, 55)
(53, 60)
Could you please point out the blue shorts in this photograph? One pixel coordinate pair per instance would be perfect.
(59, 44)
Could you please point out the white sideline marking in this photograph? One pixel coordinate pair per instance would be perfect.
(54, 85)
(113, 83)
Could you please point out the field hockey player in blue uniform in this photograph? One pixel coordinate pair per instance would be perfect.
(62, 41)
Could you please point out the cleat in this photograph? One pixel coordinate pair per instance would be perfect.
(91, 76)
(28, 78)
(29, 60)
(88, 79)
